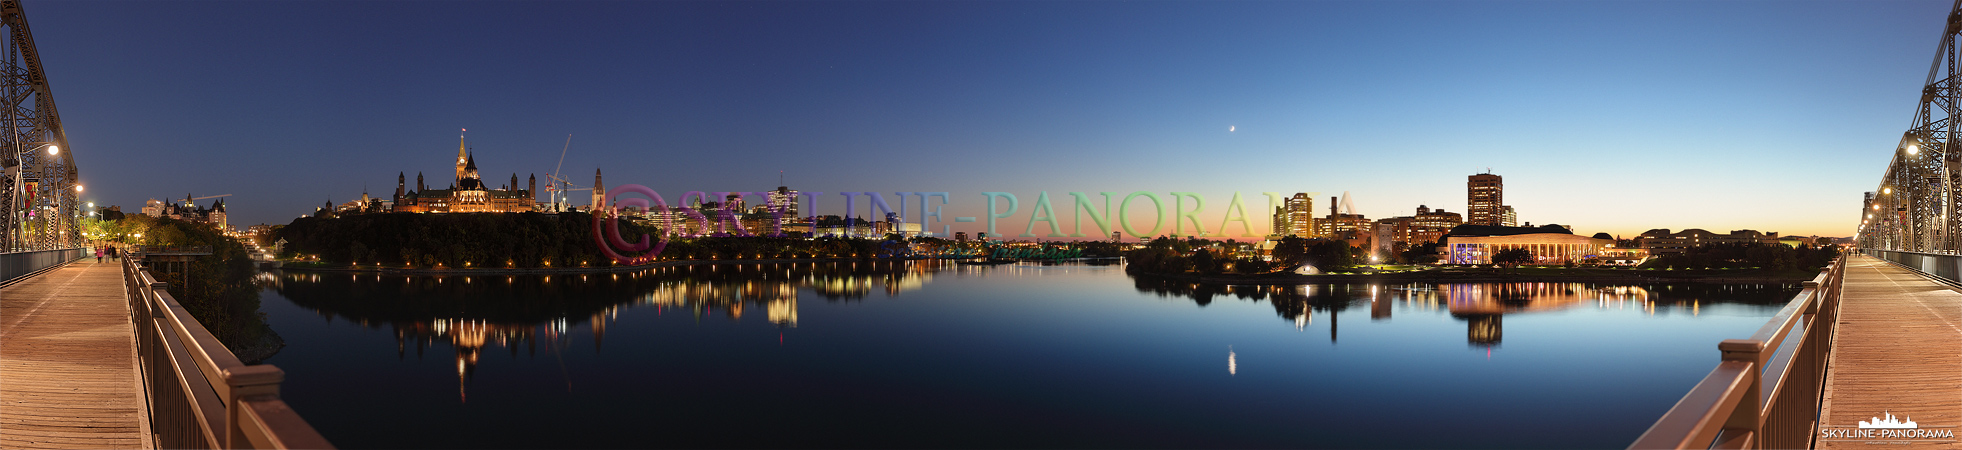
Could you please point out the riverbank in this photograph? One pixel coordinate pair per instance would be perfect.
(549, 271)
(308, 267)
(1521, 275)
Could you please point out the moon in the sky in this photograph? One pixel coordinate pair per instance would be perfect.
(1229, 128)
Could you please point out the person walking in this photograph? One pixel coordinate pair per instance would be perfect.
(112, 253)
(98, 255)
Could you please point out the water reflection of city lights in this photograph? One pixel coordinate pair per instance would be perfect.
(1480, 305)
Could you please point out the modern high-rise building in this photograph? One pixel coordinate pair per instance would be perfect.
(783, 201)
(1301, 216)
(1279, 227)
(1508, 217)
(1484, 197)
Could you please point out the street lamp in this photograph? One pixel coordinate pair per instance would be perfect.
(54, 150)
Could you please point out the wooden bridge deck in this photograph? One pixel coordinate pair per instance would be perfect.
(1898, 350)
(68, 375)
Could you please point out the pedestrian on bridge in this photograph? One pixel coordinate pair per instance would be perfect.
(112, 253)
(98, 255)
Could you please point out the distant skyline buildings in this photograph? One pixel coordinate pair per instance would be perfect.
(1426, 226)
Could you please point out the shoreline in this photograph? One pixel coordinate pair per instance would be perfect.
(610, 269)
(557, 270)
(1441, 277)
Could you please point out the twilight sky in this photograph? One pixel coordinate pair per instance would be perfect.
(1610, 116)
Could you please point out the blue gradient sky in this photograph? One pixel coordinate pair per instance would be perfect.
(1610, 116)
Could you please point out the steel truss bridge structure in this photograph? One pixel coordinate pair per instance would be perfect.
(40, 185)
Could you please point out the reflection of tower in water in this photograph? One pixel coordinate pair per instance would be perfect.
(1331, 324)
(1379, 307)
(1484, 330)
(468, 337)
(783, 310)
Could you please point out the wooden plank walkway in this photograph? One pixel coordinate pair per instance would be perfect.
(68, 374)
(1897, 350)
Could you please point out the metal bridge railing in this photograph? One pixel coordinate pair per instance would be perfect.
(1765, 393)
(1948, 268)
(19, 264)
(200, 395)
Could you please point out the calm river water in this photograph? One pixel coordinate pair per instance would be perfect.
(942, 355)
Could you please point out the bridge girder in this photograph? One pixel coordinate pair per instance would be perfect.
(1913, 209)
(38, 188)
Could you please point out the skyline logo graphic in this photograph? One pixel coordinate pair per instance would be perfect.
(1888, 428)
(1891, 422)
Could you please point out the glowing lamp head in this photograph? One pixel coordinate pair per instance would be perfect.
(1886, 190)
(1913, 148)
(78, 188)
(54, 150)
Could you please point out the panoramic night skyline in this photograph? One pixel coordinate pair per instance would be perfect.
(1608, 116)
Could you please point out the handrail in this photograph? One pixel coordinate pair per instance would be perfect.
(1759, 397)
(200, 394)
(190, 249)
(18, 266)
(1942, 268)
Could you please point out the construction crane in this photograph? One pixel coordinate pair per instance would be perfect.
(557, 187)
(188, 200)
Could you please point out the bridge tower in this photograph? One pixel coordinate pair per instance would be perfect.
(39, 188)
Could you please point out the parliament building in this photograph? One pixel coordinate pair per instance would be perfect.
(466, 194)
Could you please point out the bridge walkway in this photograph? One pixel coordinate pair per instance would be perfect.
(1897, 349)
(68, 376)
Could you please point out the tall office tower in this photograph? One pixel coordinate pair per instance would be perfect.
(1280, 226)
(1301, 216)
(784, 200)
(1484, 196)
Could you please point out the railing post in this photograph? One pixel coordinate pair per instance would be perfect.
(1818, 295)
(149, 300)
(1749, 415)
(247, 381)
